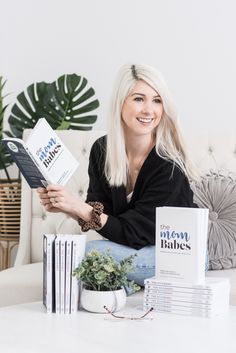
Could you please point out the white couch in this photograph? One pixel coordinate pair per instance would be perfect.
(23, 282)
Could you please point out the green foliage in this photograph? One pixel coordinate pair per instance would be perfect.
(5, 159)
(101, 272)
(65, 103)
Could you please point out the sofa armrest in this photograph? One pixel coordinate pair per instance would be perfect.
(23, 253)
(21, 284)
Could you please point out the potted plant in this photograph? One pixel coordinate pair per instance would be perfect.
(103, 280)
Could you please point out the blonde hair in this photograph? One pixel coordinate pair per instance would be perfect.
(169, 143)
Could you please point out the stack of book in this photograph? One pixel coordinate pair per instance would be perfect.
(207, 300)
(62, 253)
(179, 285)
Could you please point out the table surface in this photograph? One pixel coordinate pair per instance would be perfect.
(26, 328)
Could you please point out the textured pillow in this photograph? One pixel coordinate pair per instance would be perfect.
(217, 191)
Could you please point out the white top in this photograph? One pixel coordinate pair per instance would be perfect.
(129, 196)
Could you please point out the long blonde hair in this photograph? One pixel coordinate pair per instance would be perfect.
(169, 143)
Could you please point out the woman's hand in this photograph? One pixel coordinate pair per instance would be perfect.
(56, 198)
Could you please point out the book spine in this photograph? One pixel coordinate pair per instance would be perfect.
(184, 291)
(74, 283)
(57, 275)
(179, 312)
(171, 286)
(68, 277)
(45, 271)
(182, 303)
(62, 272)
(78, 250)
(191, 297)
(49, 273)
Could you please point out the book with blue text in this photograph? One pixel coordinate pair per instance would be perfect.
(181, 244)
(43, 159)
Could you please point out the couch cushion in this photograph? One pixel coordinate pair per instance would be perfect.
(21, 284)
(217, 192)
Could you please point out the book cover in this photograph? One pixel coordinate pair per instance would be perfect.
(181, 240)
(43, 159)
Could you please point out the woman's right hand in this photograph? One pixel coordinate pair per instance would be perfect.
(45, 200)
(55, 198)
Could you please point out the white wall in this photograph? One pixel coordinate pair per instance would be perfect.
(191, 42)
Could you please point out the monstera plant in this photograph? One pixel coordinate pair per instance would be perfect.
(66, 103)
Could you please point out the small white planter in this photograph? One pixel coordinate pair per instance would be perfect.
(94, 301)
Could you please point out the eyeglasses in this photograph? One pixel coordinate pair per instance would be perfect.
(131, 318)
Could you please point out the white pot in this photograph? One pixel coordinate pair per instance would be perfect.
(95, 301)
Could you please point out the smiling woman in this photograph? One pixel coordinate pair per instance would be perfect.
(141, 164)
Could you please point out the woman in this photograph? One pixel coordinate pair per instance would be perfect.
(141, 164)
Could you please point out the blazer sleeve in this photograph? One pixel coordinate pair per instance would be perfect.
(97, 189)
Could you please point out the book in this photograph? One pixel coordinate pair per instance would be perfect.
(48, 272)
(181, 242)
(208, 299)
(68, 273)
(62, 254)
(57, 275)
(62, 273)
(78, 251)
(43, 159)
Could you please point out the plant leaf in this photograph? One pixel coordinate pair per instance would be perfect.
(64, 103)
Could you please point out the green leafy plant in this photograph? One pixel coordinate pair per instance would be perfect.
(5, 159)
(65, 103)
(100, 272)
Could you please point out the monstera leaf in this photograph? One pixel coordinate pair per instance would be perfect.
(65, 104)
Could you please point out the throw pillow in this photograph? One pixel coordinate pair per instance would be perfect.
(217, 192)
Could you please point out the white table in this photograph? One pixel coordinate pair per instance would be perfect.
(26, 328)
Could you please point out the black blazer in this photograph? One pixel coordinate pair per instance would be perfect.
(159, 183)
